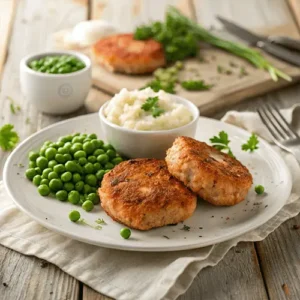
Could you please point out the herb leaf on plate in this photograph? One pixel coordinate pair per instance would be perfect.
(252, 143)
(157, 85)
(151, 105)
(195, 85)
(8, 137)
(221, 143)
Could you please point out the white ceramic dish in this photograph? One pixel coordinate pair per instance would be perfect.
(147, 144)
(208, 225)
(55, 93)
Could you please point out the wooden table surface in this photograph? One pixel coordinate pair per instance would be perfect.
(264, 270)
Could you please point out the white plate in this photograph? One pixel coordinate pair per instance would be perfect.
(208, 225)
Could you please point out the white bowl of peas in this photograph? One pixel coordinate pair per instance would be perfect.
(56, 82)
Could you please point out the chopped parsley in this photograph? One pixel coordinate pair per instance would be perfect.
(8, 137)
(221, 143)
(195, 85)
(185, 228)
(157, 85)
(83, 221)
(252, 143)
(13, 107)
(151, 105)
(100, 222)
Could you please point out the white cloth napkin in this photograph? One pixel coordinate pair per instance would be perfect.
(135, 275)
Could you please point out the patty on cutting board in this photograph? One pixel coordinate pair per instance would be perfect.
(122, 53)
(214, 176)
(142, 194)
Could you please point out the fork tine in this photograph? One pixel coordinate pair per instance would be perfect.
(286, 126)
(272, 121)
(268, 124)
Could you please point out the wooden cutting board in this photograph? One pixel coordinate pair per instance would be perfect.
(227, 89)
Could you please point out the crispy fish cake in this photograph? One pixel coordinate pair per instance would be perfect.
(122, 53)
(142, 194)
(214, 176)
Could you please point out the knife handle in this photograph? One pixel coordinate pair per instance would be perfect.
(280, 52)
(285, 41)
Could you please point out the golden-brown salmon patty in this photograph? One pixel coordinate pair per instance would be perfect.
(122, 53)
(214, 176)
(142, 194)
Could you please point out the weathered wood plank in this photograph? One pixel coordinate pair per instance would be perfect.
(7, 13)
(90, 294)
(295, 8)
(25, 277)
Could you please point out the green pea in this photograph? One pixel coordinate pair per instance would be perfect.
(98, 144)
(87, 205)
(76, 147)
(60, 168)
(60, 158)
(71, 166)
(45, 181)
(66, 176)
(92, 136)
(73, 197)
(117, 160)
(79, 154)
(98, 152)
(37, 180)
(111, 153)
(33, 156)
(68, 186)
(125, 233)
(62, 150)
(50, 153)
(67, 156)
(100, 174)
(76, 177)
(79, 186)
(42, 163)
(55, 184)
(52, 175)
(74, 215)
(52, 163)
(109, 166)
(91, 179)
(103, 158)
(92, 159)
(107, 147)
(67, 145)
(44, 190)
(46, 173)
(64, 139)
(93, 197)
(77, 139)
(97, 167)
(93, 189)
(42, 151)
(32, 164)
(88, 147)
(88, 168)
(86, 189)
(259, 189)
(38, 171)
(86, 140)
(107, 171)
(82, 161)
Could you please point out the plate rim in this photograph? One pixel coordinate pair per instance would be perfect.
(138, 248)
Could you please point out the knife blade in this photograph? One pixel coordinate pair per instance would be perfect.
(262, 42)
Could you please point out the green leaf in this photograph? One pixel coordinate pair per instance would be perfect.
(8, 137)
(195, 85)
(252, 143)
(156, 112)
(221, 143)
(150, 103)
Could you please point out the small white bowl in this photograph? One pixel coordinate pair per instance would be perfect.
(147, 144)
(55, 93)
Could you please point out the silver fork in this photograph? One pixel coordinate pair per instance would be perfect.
(283, 134)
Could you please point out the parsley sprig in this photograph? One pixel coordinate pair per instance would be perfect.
(151, 105)
(221, 142)
(252, 143)
(8, 137)
(195, 85)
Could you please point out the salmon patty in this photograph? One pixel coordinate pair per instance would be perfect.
(214, 176)
(142, 194)
(122, 53)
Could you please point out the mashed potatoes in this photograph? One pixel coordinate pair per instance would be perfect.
(125, 110)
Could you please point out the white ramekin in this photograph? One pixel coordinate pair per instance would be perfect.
(147, 144)
(55, 93)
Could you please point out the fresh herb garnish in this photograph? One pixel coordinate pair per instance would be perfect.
(100, 222)
(221, 143)
(152, 106)
(185, 228)
(195, 85)
(243, 72)
(83, 221)
(220, 69)
(157, 85)
(180, 36)
(8, 137)
(252, 143)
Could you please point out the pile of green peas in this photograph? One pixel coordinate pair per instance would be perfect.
(60, 64)
(72, 168)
